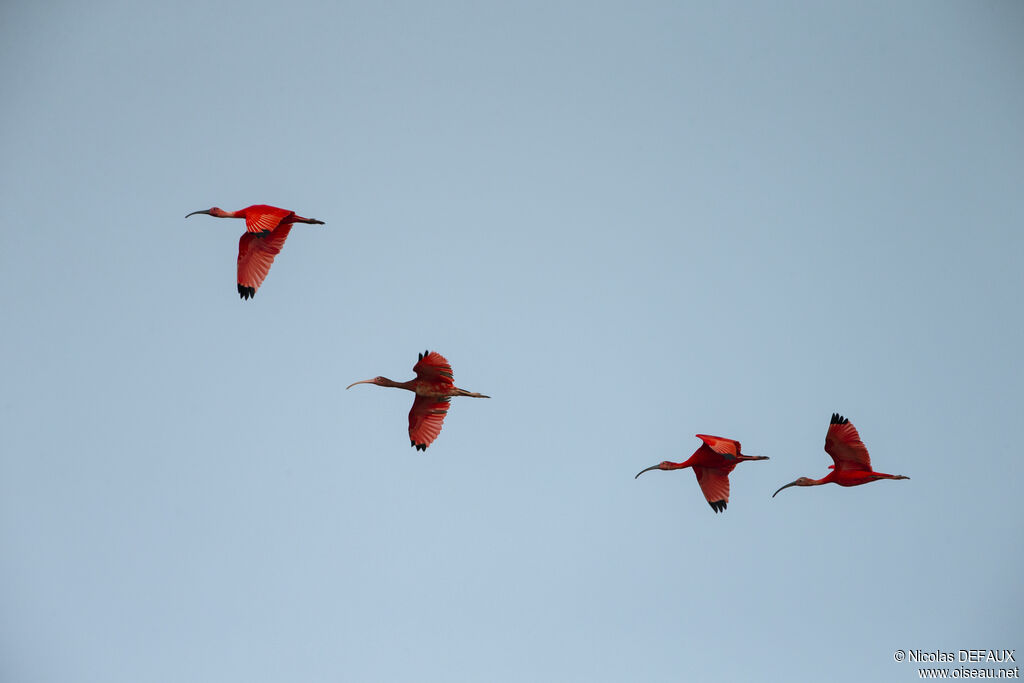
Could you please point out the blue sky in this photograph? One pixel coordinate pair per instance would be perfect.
(626, 222)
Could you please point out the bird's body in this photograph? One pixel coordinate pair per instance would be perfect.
(266, 229)
(711, 463)
(434, 386)
(851, 462)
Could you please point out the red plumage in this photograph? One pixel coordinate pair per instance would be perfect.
(434, 387)
(266, 229)
(852, 464)
(712, 462)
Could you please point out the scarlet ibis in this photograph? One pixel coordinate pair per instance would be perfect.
(434, 387)
(852, 463)
(712, 463)
(266, 229)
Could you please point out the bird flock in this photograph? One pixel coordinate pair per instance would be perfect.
(267, 228)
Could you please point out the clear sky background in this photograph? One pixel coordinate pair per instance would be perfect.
(626, 222)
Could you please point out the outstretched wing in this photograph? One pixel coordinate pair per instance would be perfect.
(843, 443)
(721, 445)
(434, 368)
(256, 252)
(715, 485)
(425, 420)
(263, 218)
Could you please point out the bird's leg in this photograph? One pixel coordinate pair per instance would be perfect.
(471, 394)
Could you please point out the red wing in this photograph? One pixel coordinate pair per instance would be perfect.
(432, 367)
(721, 445)
(425, 420)
(256, 253)
(263, 218)
(715, 485)
(843, 443)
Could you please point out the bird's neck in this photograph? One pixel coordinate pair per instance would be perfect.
(409, 386)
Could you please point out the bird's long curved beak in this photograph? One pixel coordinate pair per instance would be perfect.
(652, 467)
(792, 483)
(207, 212)
(362, 381)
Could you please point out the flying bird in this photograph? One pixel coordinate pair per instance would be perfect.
(711, 463)
(434, 387)
(266, 229)
(852, 463)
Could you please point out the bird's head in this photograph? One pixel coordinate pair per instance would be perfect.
(665, 465)
(802, 481)
(379, 381)
(215, 211)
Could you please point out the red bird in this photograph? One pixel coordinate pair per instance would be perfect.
(852, 463)
(266, 229)
(712, 463)
(434, 386)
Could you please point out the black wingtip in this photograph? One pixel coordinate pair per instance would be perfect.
(838, 419)
(246, 292)
(421, 446)
(420, 356)
(718, 505)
